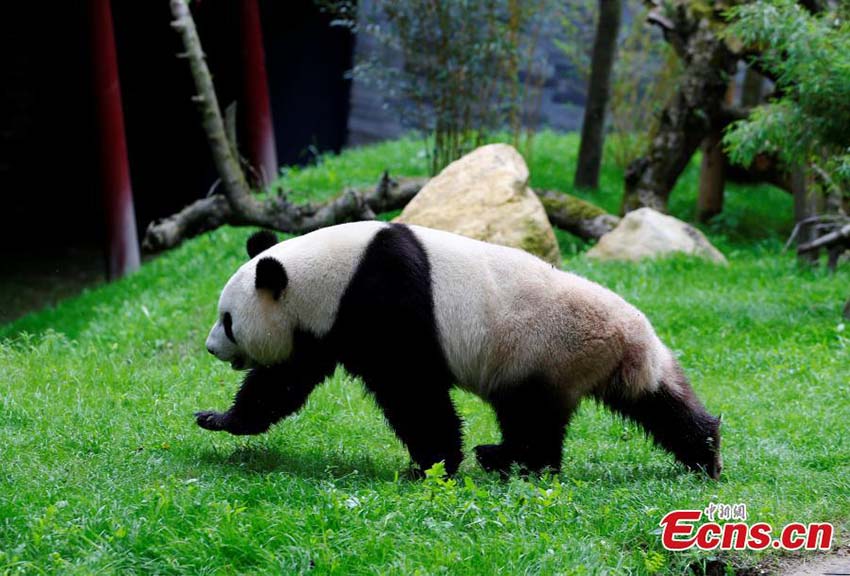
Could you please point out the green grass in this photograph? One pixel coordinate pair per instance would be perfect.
(103, 470)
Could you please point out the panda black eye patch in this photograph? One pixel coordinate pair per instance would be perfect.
(227, 320)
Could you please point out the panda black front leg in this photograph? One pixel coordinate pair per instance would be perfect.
(533, 419)
(253, 410)
(267, 395)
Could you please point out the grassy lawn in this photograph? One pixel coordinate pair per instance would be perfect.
(103, 469)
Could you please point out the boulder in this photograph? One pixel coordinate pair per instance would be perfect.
(485, 195)
(646, 233)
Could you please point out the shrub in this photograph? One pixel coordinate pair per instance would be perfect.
(456, 70)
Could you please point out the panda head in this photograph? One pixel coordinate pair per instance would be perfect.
(253, 327)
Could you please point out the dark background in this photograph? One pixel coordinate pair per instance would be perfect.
(48, 147)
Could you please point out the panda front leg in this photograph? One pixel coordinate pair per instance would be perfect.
(533, 420)
(267, 395)
(424, 418)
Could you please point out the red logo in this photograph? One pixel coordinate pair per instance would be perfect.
(682, 530)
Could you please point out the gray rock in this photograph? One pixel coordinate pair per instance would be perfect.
(646, 233)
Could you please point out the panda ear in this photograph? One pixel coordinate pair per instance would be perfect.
(271, 276)
(260, 241)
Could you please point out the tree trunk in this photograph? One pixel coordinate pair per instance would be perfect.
(598, 92)
(712, 175)
(807, 203)
(712, 178)
(693, 111)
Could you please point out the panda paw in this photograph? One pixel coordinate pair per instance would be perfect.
(228, 422)
(211, 420)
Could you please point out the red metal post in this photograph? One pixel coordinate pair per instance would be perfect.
(258, 115)
(122, 240)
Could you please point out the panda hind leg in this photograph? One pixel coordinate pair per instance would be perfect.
(533, 419)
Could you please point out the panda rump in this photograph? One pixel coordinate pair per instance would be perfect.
(415, 311)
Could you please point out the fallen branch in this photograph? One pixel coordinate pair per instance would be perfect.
(279, 214)
(235, 204)
(822, 219)
(832, 233)
(838, 236)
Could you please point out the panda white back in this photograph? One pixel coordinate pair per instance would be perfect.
(477, 288)
(505, 315)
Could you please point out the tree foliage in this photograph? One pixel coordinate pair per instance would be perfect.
(807, 122)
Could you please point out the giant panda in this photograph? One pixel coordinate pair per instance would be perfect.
(415, 311)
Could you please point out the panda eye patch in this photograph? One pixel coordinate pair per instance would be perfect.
(227, 320)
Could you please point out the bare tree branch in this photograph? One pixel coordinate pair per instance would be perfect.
(236, 188)
(576, 216)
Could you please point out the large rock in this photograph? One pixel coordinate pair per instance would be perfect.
(646, 233)
(485, 195)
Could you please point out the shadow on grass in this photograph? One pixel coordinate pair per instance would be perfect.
(263, 460)
(251, 460)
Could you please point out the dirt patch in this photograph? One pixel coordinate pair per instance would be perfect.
(835, 563)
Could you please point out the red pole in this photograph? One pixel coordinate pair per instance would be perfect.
(122, 241)
(258, 114)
